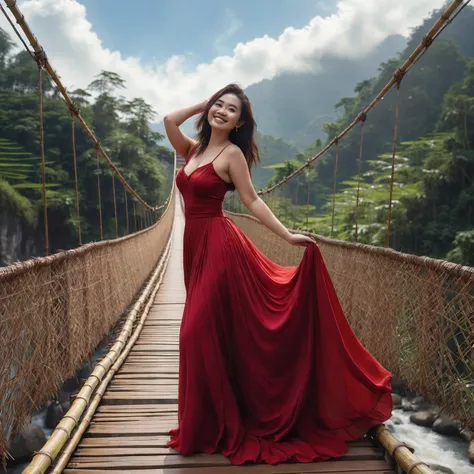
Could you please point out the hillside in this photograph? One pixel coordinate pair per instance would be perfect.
(122, 127)
(294, 106)
(433, 211)
(272, 151)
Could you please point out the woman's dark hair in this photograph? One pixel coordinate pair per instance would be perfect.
(243, 138)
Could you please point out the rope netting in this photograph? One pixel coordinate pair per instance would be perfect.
(415, 314)
(55, 310)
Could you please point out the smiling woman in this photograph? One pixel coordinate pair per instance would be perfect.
(260, 343)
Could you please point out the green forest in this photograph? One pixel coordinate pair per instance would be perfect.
(433, 201)
(121, 125)
(433, 197)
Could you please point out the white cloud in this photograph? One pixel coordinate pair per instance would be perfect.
(76, 52)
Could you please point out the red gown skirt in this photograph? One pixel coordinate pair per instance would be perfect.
(270, 370)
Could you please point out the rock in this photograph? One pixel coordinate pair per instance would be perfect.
(407, 406)
(70, 386)
(446, 426)
(53, 415)
(466, 435)
(417, 400)
(425, 407)
(424, 418)
(441, 469)
(396, 400)
(85, 371)
(470, 452)
(390, 427)
(30, 439)
(399, 387)
(396, 421)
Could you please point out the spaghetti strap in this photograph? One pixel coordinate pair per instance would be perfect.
(219, 154)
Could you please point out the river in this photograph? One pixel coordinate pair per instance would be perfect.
(431, 447)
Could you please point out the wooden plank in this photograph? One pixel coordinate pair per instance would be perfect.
(169, 389)
(147, 370)
(353, 453)
(100, 429)
(156, 348)
(136, 383)
(320, 467)
(117, 441)
(218, 462)
(148, 461)
(123, 451)
(156, 376)
(137, 418)
(138, 408)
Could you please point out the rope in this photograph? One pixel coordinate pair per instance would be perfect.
(40, 62)
(295, 217)
(39, 55)
(362, 123)
(334, 188)
(115, 206)
(135, 215)
(75, 179)
(394, 151)
(427, 40)
(28, 50)
(99, 197)
(127, 225)
(307, 203)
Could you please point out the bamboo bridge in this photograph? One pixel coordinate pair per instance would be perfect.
(414, 314)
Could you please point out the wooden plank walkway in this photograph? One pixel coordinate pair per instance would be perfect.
(129, 432)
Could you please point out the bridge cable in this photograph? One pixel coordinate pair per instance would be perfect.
(135, 214)
(307, 200)
(444, 20)
(40, 53)
(40, 59)
(127, 223)
(28, 50)
(99, 196)
(399, 76)
(362, 119)
(115, 206)
(73, 134)
(295, 212)
(336, 164)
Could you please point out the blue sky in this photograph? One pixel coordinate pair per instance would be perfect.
(157, 29)
(174, 53)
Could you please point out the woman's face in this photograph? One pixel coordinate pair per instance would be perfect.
(224, 113)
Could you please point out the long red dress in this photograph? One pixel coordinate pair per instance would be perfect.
(270, 370)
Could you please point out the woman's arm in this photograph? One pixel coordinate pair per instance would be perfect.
(240, 176)
(181, 142)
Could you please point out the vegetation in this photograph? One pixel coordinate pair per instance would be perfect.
(433, 200)
(122, 127)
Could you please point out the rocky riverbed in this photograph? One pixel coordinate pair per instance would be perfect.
(437, 438)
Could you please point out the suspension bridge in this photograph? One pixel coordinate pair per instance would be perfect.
(56, 309)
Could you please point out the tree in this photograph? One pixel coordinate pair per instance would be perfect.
(107, 82)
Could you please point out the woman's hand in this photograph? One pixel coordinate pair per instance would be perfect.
(300, 240)
(202, 106)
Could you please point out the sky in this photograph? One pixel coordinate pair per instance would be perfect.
(174, 53)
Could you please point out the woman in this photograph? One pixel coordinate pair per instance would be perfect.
(270, 370)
